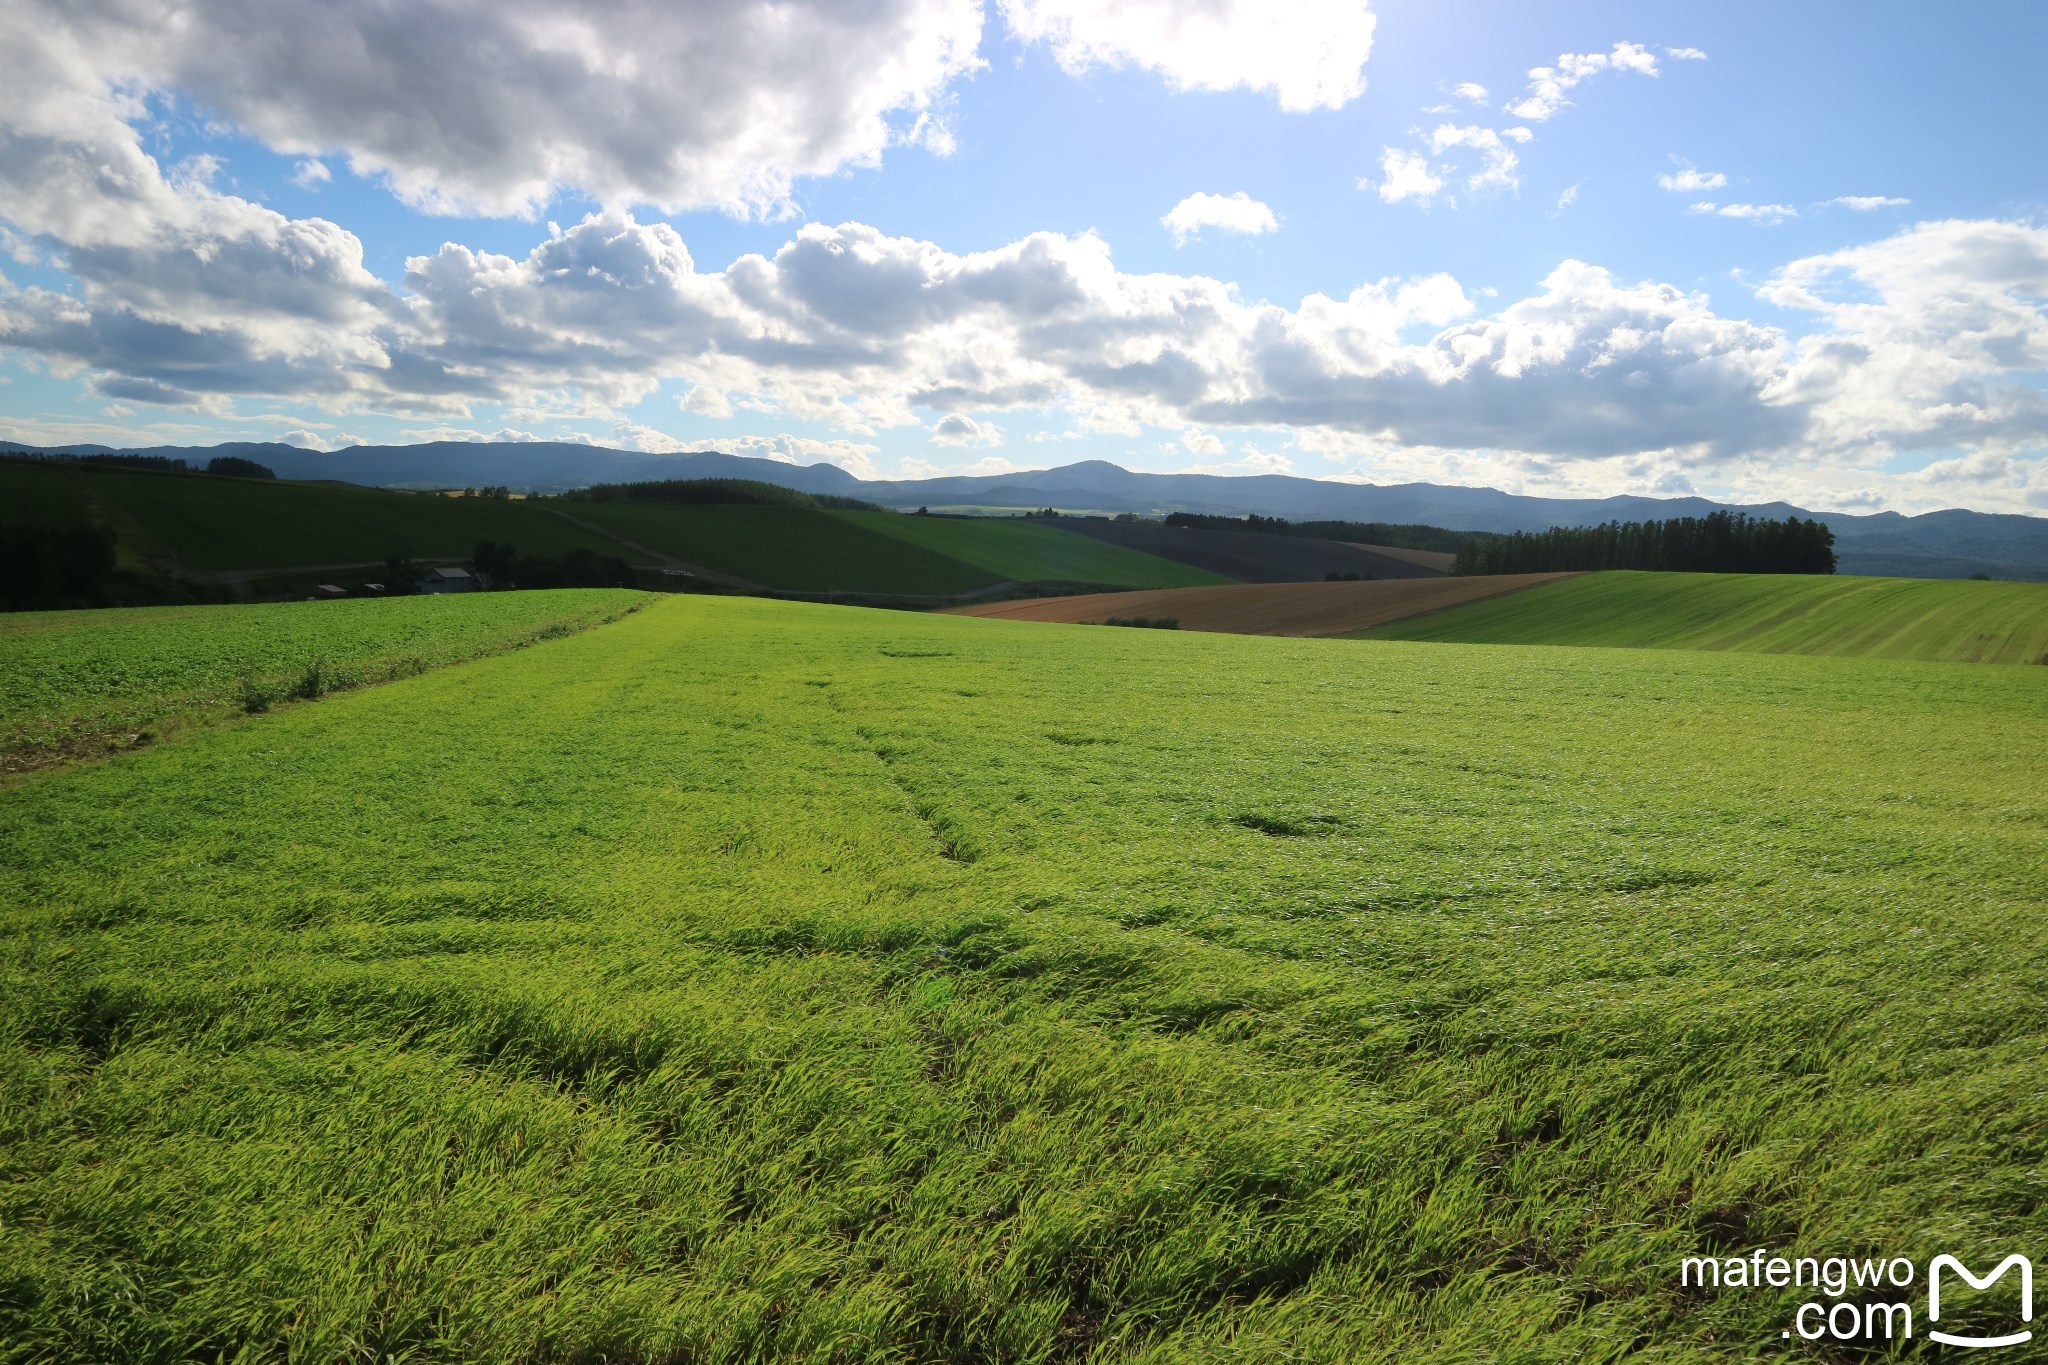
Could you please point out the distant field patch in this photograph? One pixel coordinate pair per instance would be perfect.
(1033, 552)
(1439, 561)
(74, 681)
(1300, 609)
(798, 549)
(1942, 620)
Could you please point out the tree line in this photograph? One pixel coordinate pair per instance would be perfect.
(220, 466)
(1720, 542)
(1396, 535)
(717, 493)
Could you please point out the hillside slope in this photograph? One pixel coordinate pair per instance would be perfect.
(1878, 618)
(1246, 556)
(1298, 609)
(1036, 552)
(1946, 544)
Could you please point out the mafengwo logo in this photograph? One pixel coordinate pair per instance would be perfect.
(1866, 1300)
(2013, 1262)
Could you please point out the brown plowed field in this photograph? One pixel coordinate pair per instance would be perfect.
(1269, 608)
(1427, 559)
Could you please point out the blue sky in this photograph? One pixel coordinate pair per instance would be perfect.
(962, 258)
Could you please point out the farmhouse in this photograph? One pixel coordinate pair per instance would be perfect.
(450, 580)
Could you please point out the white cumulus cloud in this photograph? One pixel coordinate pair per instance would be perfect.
(1864, 203)
(1406, 175)
(958, 429)
(1308, 54)
(1237, 212)
(678, 103)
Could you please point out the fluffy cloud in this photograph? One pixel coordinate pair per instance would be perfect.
(1237, 212)
(1472, 91)
(958, 429)
(1309, 54)
(1927, 338)
(183, 294)
(1690, 179)
(679, 103)
(311, 172)
(1685, 54)
(1405, 175)
(1549, 84)
(1864, 203)
(1498, 168)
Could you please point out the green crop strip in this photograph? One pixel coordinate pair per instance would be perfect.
(1941, 620)
(763, 981)
(81, 682)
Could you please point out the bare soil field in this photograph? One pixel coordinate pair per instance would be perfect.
(1438, 560)
(1248, 556)
(1303, 609)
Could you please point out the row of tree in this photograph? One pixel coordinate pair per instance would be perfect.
(717, 493)
(220, 466)
(504, 567)
(1397, 534)
(1720, 542)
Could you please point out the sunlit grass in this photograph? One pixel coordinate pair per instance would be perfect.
(750, 980)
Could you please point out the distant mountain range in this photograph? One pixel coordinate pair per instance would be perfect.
(1949, 544)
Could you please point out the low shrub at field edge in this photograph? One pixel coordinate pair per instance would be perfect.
(73, 682)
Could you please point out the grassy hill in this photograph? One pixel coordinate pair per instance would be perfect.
(764, 981)
(1878, 618)
(213, 525)
(1034, 552)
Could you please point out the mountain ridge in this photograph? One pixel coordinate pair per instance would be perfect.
(1952, 542)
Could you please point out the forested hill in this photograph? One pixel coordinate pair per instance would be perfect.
(1953, 543)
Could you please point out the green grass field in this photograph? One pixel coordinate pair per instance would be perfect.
(1941, 620)
(1032, 552)
(800, 549)
(766, 981)
(78, 679)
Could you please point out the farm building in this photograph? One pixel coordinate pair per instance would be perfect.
(450, 580)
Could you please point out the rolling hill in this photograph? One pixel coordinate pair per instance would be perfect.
(1877, 618)
(1297, 609)
(1946, 544)
(1245, 556)
(238, 529)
